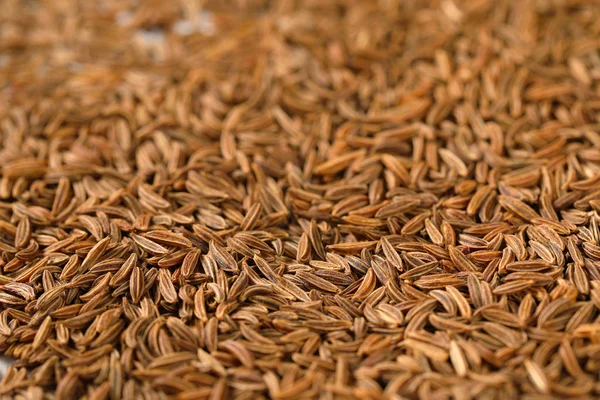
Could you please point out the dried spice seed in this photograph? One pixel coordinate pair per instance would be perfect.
(314, 199)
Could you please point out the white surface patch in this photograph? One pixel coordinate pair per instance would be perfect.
(4, 363)
(203, 23)
(151, 38)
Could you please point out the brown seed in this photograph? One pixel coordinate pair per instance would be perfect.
(461, 262)
(391, 254)
(251, 217)
(136, 284)
(167, 290)
(95, 253)
(124, 272)
(149, 245)
(518, 207)
(190, 263)
(168, 238)
(23, 233)
(222, 257)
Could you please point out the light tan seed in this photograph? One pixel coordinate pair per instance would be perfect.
(537, 376)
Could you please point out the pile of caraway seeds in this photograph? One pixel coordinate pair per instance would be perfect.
(332, 199)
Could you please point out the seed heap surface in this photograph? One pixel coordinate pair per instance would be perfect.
(300, 199)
